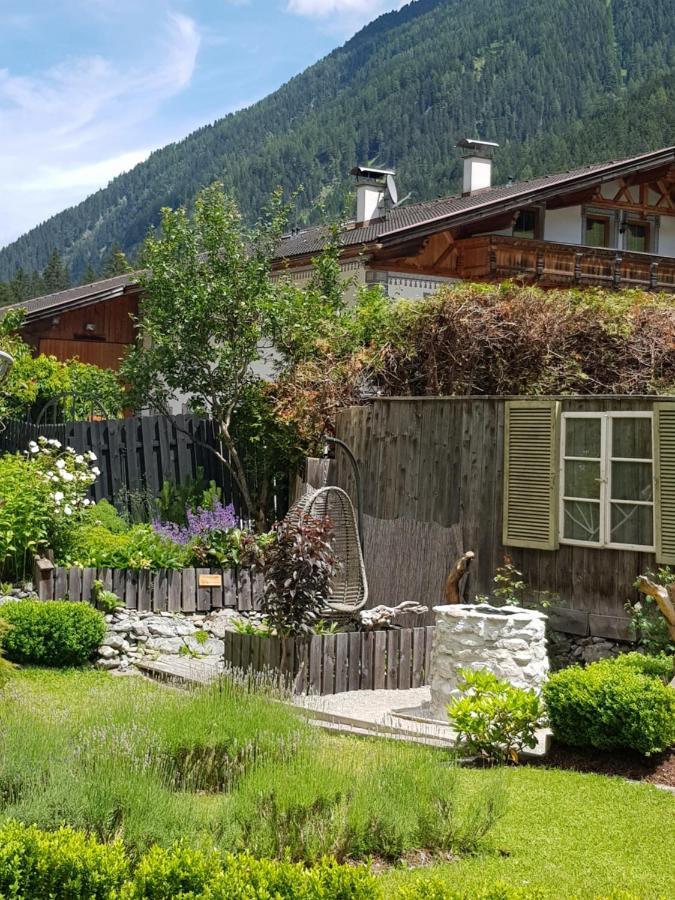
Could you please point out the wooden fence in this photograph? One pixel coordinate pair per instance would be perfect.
(332, 663)
(139, 454)
(164, 590)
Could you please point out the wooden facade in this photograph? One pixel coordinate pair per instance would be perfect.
(432, 475)
(98, 333)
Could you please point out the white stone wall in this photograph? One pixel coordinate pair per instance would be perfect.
(508, 641)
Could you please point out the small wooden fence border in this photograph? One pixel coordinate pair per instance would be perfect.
(332, 663)
(164, 590)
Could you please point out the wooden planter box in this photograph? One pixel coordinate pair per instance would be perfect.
(332, 663)
(183, 590)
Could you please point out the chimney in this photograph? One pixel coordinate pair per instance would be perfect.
(477, 156)
(370, 192)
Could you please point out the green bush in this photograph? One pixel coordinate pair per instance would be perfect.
(140, 547)
(60, 865)
(661, 665)
(70, 865)
(104, 513)
(492, 718)
(183, 872)
(25, 512)
(611, 705)
(51, 633)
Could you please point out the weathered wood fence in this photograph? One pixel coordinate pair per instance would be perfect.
(165, 590)
(139, 454)
(332, 663)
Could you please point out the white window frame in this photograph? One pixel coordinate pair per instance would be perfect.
(605, 501)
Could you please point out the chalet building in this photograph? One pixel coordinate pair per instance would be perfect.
(610, 225)
(92, 322)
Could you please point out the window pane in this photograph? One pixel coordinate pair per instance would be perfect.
(596, 232)
(525, 224)
(582, 521)
(632, 525)
(582, 438)
(582, 479)
(632, 438)
(632, 481)
(636, 238)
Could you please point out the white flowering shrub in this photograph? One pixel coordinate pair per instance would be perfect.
(69, 474)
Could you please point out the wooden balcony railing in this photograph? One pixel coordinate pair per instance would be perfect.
(494, 256)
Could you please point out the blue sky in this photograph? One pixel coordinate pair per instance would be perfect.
(89, 87)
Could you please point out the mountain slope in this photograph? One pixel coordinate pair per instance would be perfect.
(557, 84)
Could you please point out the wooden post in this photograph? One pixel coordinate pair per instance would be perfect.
(43, 577)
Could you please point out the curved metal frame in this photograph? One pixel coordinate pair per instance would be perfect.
(350, 585)
(55, 402)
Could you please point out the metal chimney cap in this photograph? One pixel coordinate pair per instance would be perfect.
(370, 172)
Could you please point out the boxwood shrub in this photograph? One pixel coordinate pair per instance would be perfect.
(66, 865)
(51, 633)
(611, 705)
(58, 864)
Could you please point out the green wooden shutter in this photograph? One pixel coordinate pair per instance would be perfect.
(664, 479)
(531, 474)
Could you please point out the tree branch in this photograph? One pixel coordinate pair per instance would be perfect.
(457, 572)
(663, 597)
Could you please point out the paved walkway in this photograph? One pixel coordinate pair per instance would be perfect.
(399, 715)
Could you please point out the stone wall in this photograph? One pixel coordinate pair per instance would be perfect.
(510, 642)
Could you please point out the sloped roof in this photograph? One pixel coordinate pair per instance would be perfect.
(72, 298)
(431, 213)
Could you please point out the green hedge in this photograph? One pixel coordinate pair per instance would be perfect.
(68, 865)
(661, 665)
(611, 705)
(51, 633)
(58, 864)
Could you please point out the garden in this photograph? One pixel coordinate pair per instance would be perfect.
(115, 785)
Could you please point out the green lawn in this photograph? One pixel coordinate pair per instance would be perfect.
(123, 757)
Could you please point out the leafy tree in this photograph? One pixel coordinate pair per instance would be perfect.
(205, 308)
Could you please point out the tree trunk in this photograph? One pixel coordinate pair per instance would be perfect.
(458, 571)
(665, 599)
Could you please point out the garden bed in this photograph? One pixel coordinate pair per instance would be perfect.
(331, 663)
(182, 590)
(658, 769)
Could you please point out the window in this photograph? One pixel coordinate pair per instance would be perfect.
(636, 237)
(526, 224)
(606, 480)
(597, 231)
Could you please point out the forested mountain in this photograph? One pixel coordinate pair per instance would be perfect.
(557, 84)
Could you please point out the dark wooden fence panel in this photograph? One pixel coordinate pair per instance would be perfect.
(432, 468)
(333, 663)
(138, 455)
(174, 591)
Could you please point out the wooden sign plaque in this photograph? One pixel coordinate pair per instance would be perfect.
(210, 581)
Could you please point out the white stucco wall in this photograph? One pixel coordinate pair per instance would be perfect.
(563, 225)
(666, 236)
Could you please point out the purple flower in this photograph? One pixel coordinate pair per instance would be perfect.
(201, 522)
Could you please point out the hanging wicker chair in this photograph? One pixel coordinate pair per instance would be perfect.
(350, 588)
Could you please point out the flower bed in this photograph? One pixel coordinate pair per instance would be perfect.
(331, 663)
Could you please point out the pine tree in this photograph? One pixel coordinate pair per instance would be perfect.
(55, 274)
(20, 286)
(115, 263)
(89, 275)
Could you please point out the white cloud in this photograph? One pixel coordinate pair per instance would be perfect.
(365, 9)
(69, 129)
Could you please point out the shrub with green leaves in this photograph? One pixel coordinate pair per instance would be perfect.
(51, 633)
(662, 665)
(139, 547)
(25, 515)
(61, 865)
(611, 705)
(493, 719)
(71, 865)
